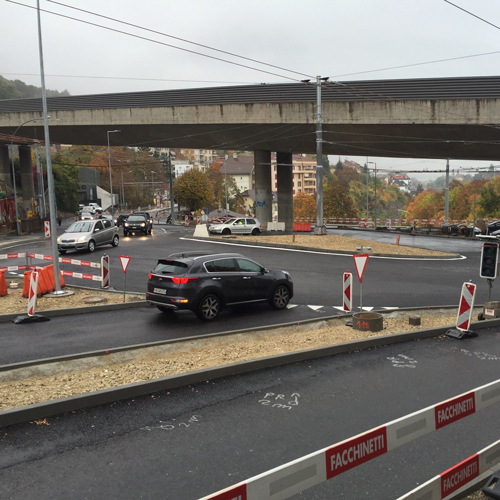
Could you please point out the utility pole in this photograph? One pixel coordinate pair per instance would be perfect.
(320, 228)
(50, 178)
(172, 207)
(447, 191)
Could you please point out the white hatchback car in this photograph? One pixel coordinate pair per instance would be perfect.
(243, 225)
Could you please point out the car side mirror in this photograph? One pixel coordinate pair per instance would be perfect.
(96, 230)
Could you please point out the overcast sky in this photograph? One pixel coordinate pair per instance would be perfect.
(342, 39)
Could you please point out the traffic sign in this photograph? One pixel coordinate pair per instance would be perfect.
(124, 261)
(360, 261)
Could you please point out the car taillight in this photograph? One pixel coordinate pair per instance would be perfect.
(149, 275)
(183, 281)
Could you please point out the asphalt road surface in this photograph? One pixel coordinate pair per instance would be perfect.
(195, 440)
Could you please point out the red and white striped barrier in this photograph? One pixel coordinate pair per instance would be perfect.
(105, 271)
(457, 476)
(81, 276)
(347, 292)
(75, 262)
(65, 260)
(14, 256)
(296, 476)
(186, 220)
(14, 268)
(46, 225)
(465, 307)
(32, 293)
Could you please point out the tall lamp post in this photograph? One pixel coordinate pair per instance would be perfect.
(18, 229)
(153, 185)
(375, 203)
(110, 177)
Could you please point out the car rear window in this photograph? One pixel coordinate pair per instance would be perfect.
(136, 218)
(170, 267)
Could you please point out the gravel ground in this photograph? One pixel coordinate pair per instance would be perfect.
(203, 353)
(343, 243)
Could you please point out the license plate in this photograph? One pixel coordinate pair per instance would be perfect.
(160, 291)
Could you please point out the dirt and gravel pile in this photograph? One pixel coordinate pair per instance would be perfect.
(193, 355)
(342, 243)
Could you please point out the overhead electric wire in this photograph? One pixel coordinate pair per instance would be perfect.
(130, 78)
(472, 14)
(178, 38)
(327, 84)
(155, 41)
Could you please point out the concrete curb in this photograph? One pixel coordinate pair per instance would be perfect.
(81, 401)
(322, 250)
(53, 313)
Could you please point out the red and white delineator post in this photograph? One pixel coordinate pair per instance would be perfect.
(347, 292)
(464, 313)
(466, 306)
(46, 225)
(105, 271)
(32, 293)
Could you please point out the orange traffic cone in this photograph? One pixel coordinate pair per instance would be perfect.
(3, 284)
(26, 284)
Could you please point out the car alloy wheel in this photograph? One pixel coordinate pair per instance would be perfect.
(281, 297)
(116, 240)
(91, 245)
(255, 231)
(209, 308)
(226, 231)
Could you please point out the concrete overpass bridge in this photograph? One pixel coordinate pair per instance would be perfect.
(441, 118)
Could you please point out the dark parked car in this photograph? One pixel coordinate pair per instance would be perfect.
(136, 223)
(205, 284)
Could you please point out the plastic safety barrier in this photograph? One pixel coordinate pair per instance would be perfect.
(296, 476)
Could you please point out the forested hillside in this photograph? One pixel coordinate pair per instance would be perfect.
(16, 89)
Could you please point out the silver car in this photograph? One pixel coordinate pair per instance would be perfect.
(241, 225)
(87, 235)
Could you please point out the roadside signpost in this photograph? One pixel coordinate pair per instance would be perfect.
(360, 261)
(124, 261)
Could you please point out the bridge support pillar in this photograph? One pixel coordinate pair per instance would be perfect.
(27, 181)
(284, 167)
(5, 180)
(263, 187)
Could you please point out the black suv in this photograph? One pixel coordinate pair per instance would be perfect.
(137, 223)
(205, 283)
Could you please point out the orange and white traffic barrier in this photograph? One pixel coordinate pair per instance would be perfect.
(33, 293)
(347, 292)
(290, 479)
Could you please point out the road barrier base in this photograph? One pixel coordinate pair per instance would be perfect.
(460, 334)
(492, 487)
(36, 318)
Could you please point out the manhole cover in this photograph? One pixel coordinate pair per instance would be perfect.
(95, 300)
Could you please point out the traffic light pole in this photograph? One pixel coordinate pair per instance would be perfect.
(490, 286)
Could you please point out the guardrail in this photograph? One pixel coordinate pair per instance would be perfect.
(315, 468)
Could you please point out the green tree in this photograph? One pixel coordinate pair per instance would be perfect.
(66, 186)
(192, 189)
(337, 200)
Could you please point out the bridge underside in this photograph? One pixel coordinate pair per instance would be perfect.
(467, 142)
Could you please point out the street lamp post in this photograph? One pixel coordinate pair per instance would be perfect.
(18, 229)
(110, 177)
(375, 202)
(153, 186)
